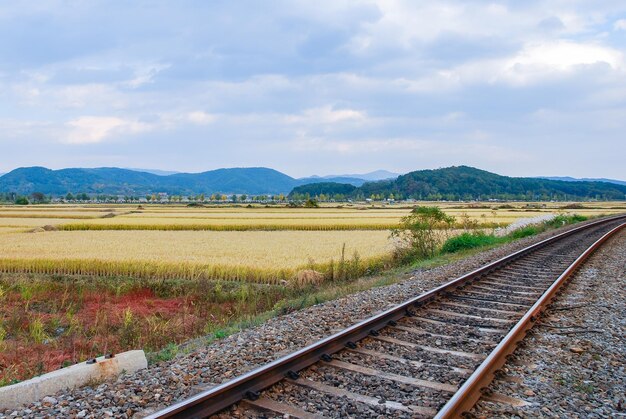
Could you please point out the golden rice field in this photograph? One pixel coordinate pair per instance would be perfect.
(263, 244)
(237, 255)
(223, 218)
(288, 249)
(26, 222)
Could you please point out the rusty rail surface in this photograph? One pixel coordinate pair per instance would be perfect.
(248, 386)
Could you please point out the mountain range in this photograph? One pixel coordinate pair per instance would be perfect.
(466, 183)
(452, 183)
(352, 178)
(116, 181)
(371, 176)
(585, 179)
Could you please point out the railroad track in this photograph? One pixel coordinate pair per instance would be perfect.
(431, 356)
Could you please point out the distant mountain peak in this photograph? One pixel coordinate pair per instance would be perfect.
(370, 176)
(585, 179)
(157, 172)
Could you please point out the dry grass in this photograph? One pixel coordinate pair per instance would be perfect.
(6, 230)
(265, 249)
(72, 216)
(328, 225)
(222, 218)
(26, 222)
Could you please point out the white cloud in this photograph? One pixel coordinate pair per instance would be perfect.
(95, 129)
(533, 63)
(539, 61)
(563, 55)
(409, 24)
(620, 25)
(201, 118)
(326, 115)
(145, 73)
(403, 23)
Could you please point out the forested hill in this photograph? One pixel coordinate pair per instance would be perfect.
(116, 181)
(467, 183)
(111, 180)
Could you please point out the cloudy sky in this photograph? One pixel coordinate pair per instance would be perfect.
(521, 88)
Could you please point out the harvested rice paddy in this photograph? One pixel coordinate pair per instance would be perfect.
(262, 249)
(245, 243)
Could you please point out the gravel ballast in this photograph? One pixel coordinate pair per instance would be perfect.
(134, 395)
(572, 364)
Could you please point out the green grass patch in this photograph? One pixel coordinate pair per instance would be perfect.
(165, 354)
(469, 241)
(525, 232)
(562, 220)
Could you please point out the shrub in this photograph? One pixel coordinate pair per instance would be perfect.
(524, 232)
(21, 200)
(421, 231)
(468, 241)
(573, 206)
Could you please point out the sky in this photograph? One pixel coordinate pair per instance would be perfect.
(520, 88)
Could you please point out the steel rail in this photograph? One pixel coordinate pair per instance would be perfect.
(248, 385)
(469, 393)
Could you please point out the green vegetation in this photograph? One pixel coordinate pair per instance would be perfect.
(421, 232)
(561, 220)
(524, 232)
(123, 182)
(469, 241)
(323, 190)
(167, 353)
